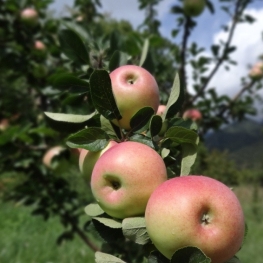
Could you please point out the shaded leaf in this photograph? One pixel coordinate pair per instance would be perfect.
(134, 228)
(102, 95)
(118, 59)
(73, 46)
(142, 139)
(189, 255)
(155, 125)
(233, 260)
(93, 139)
(141, 118)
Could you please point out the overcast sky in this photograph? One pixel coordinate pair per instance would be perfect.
(248, 38)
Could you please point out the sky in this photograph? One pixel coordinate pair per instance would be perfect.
(248, 38)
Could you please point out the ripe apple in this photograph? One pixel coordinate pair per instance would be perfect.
(193, 114)
(161, 109)
(195, 211)
(39, 45)
(87, 159)
(193, 7)
(29, 16)
(133, 88)
(124, 178)
(50, 154)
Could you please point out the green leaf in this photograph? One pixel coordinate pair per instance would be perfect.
(101, 257)
(118, 59)
(157, 257)
(68, 122)
(69, 81)
(142, 139)
(102, 95)
(189, 153)
(233, 260)
(141, 118)
(181, 135)
(175, 100)
(155, 125)
(93, 139)
(144, 52)
(93, 210)
(73, 46)
(108, 127)
(189, 255)
(134, 228)
(109, 222)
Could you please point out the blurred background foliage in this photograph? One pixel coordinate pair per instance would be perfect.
(57, 192)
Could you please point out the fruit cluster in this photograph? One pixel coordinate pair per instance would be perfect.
(130, 179)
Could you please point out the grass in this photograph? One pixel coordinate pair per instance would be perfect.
(29, 239)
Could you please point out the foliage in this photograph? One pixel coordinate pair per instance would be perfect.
(69, 82)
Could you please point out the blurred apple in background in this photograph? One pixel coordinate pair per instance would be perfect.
(50, 154)
(193, 7)
(29, 16)
(195, 211)
(125, 176)
(193, 114)
(133, 88)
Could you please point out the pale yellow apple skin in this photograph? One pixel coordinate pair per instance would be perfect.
(124, 178)
(174, 217)
(193, 7)
(133, 88)
(87, 159)
(50, 154)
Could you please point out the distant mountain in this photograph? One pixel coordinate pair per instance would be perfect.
(243, 141)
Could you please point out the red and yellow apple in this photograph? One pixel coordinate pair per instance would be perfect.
(125, 176)
(29, 16)
(193, 7)
(193, 114)
(195, 211)
(50, 154)
(133, 88)
(87, 159)
(161, 109)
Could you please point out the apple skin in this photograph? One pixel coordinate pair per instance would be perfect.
(256, 72)
(175, 211)
(133, 88)
(193, 7)
(161, 109)
(88, 159)
(125, 176)
(39, 45)
(193, 114)
(29, 16)
(50, 154)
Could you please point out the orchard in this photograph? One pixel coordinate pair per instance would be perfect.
(100, 128)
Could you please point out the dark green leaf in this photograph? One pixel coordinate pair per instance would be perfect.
(102, 95)
(73, 46)
(93, 139)
(141, 118)
(155, 125)
(118, 59)
(157, 257)
(134, 228)
(142, 139)
(189, 255)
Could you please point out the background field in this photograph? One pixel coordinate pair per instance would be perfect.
(29, 239)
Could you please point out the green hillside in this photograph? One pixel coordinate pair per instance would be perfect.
(243, 141)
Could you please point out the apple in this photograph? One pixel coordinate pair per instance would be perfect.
(39, 45)
(193, 7)
(29, 16)
(4, 124)
(87, 159)
(161, 109)
(193, 114)
(256, 71)
(133, 88)
(195, 211)
(124, 178)
(50, 154)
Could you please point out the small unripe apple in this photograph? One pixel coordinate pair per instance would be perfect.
(87, 159)
(133, 88)
(29, 16)
(256, 71)
(50, 154)
(193, 114)
(161, 109)
(193, 7)
(195, 211)
(39, 45)
(125, 176)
